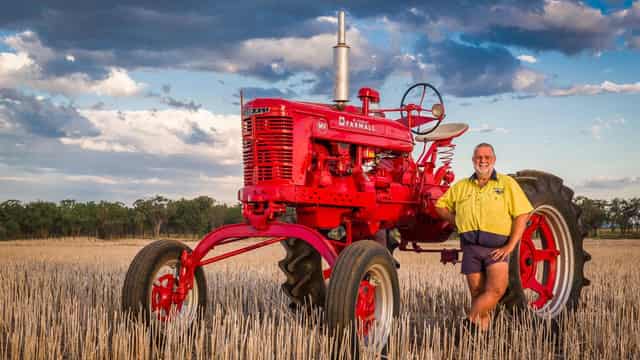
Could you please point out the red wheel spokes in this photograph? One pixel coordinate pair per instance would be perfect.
(530, 257)
(545, 255)
(365, 307)
(162, 296)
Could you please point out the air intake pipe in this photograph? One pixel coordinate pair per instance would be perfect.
(341, 64)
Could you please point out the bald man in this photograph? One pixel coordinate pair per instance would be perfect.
(490, 211)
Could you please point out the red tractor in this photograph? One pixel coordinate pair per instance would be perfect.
(338, 182)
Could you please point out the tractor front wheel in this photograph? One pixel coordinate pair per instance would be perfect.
(546, 269)
(152, 278)
(363, 297)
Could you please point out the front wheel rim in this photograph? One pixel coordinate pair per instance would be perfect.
(374, 308)
(163, 286)
(546, 269)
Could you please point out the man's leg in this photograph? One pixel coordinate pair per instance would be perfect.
(476, 284)
(496, 282)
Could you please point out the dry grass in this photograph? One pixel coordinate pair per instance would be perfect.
(61, 299)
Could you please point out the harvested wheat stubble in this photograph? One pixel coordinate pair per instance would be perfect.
(61, 300)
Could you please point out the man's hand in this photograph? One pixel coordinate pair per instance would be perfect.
(517, 228)
(501, 253)
(445, 215)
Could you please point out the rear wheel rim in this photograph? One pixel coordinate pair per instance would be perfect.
(546, 264)
(164, 283)
(374, 308)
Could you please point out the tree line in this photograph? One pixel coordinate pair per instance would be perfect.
(149, 217)
(156, 216)
(621, 216)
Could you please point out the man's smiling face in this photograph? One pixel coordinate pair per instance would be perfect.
(483, 161)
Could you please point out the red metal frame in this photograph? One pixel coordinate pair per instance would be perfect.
(530, 257)
(240, 251)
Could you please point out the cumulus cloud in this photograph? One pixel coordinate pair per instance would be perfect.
(26, 66)
(278, 50)
(174, 152)
(596, 89)
(606, 182)
(569, 27)
(471, 70)
(39, 116)
(164, 132)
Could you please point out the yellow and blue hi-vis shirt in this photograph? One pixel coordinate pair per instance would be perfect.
(484, 215)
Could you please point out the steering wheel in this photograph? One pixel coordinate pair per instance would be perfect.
(437, 110)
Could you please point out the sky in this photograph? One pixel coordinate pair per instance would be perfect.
(121, 100)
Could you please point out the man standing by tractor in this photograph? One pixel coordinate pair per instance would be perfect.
(490, 211)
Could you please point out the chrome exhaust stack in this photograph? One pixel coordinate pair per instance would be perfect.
(341, 64)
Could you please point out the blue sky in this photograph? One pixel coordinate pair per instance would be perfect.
(122, 100)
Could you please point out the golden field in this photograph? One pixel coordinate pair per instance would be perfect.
(60, 299)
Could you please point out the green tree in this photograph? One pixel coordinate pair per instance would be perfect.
(112, 219)
(39, 219)
(593, 213)
(11, 212)
(156, 211)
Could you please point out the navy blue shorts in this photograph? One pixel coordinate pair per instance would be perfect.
(476, 258)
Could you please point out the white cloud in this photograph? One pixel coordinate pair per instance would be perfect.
(527, 80)
(327, 19)
(12, 63)
(609, 182)
(596, 89)
(55, 176)
(527, 58)
(164, 132)
(70, 58)
(103, 180)
(308, 53)
(24, 68)
(28, 179)
(597, 128)
(111, 180)
(117, 83)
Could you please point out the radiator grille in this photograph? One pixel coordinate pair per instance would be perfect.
(267, 147)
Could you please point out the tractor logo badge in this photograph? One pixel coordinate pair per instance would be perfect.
(255, 111)
(356, 124)
(322, 125)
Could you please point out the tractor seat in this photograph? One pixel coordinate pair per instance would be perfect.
(444, 131)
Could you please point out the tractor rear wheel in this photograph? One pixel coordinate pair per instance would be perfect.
(304, 284)
(151, 279)
(363, 297)
(546, 269)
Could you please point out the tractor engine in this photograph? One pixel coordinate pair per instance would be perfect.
(336, 168)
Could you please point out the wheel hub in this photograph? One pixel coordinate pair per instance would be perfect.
(162, 297)
(531, 257)
(365, 307)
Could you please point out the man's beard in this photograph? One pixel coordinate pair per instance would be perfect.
(483, 172)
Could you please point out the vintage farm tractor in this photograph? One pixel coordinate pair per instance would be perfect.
(338, 182)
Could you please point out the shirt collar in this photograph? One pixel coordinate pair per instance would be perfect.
(494, 176)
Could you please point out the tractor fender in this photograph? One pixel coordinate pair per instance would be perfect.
(276, 229)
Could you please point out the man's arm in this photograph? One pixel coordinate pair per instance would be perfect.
(446, 215)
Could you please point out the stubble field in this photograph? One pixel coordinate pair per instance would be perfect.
(61, 300)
